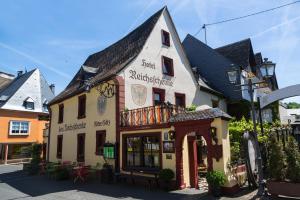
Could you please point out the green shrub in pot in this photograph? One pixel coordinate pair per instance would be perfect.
(276, 161)
(292, 160)
(215, 180)
(166, 175)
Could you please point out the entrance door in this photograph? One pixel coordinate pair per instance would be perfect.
(80, 147)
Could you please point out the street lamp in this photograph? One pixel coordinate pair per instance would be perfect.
(267, 70)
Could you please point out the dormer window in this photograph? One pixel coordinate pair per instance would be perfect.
(45, 106)
(165, 38)
(29, 104)
(167, 66)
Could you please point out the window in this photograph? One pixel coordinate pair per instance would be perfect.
(45, 106)
(61, 113)
(100, 141)
(29, 104)
(165, 38)
(19, 128)
(143, 152)
(81, 106)
(80, 147)
(158, 96)
(59, 146)
(215, 103)
(180, 100)
(167, 66)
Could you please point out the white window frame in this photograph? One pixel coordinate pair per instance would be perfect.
(11, 124)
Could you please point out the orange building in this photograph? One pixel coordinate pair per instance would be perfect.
(23, 114)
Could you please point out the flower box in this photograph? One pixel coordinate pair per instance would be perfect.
(283, 188)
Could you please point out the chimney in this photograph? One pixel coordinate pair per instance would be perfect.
(52, 88)
(20, 73)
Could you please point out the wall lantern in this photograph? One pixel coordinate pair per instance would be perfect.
(267, 68)
(172, 134)
(233, 74)
(213, 133)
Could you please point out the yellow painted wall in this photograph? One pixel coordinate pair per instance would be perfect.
(186, 163)
(223, 138)
(69, 152)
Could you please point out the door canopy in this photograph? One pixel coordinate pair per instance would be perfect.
(290, 91)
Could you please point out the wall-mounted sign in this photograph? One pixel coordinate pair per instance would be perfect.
(109, 151)
(154, 80)
(105, 122)
(138, 94)
(106, 89)
(101, 104)
(148, 64)
(168, 147)
(71, 127)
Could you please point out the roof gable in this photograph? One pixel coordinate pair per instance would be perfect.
(108, 62)
(241, 53)
(30, 86)
(211, 66)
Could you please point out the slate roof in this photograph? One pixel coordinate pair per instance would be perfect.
(111, 60)
(32, 85)
(212, 66)
(11, 89)
(240, 53)
(210, 113)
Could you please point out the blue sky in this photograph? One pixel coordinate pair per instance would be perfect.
(58, 35)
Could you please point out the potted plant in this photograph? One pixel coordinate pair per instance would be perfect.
(107, 173)
(34, 166)
(284, 181)
(166, 175)
(215, 180)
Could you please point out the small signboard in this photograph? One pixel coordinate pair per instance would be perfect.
(109, 151)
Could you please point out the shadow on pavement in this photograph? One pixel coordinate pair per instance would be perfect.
(40, 185)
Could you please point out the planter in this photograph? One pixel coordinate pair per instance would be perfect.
(215, 191)
(276, 188)
(106, 175)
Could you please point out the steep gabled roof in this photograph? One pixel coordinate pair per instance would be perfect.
(211, 66)
(238, 52)
(111, 60)
(30, 85)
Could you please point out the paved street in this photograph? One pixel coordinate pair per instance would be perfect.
(15, 184)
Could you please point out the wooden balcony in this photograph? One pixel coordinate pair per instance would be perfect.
(153, 115)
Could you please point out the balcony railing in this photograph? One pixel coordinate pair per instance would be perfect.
(149, 115)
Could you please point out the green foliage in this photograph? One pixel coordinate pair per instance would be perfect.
(292, 105)
(36, 152)
(293, 160)
(166, 175)
(276, 161)
(215, 179)
(235, 152)
(191, 108)
(61, 173)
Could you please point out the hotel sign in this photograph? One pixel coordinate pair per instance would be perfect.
(152, 79)
(72, 127)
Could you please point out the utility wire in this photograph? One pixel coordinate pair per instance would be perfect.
(245, 16)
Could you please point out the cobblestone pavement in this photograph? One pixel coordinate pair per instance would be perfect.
(15, 184)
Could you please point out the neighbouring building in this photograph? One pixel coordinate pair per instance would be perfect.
(126, 106)
(5, 79)
(213, 64)
(23, 114)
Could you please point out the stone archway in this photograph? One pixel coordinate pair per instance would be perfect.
(290, 91)
(200, 127)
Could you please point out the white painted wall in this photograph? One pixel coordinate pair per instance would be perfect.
(183, 80)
